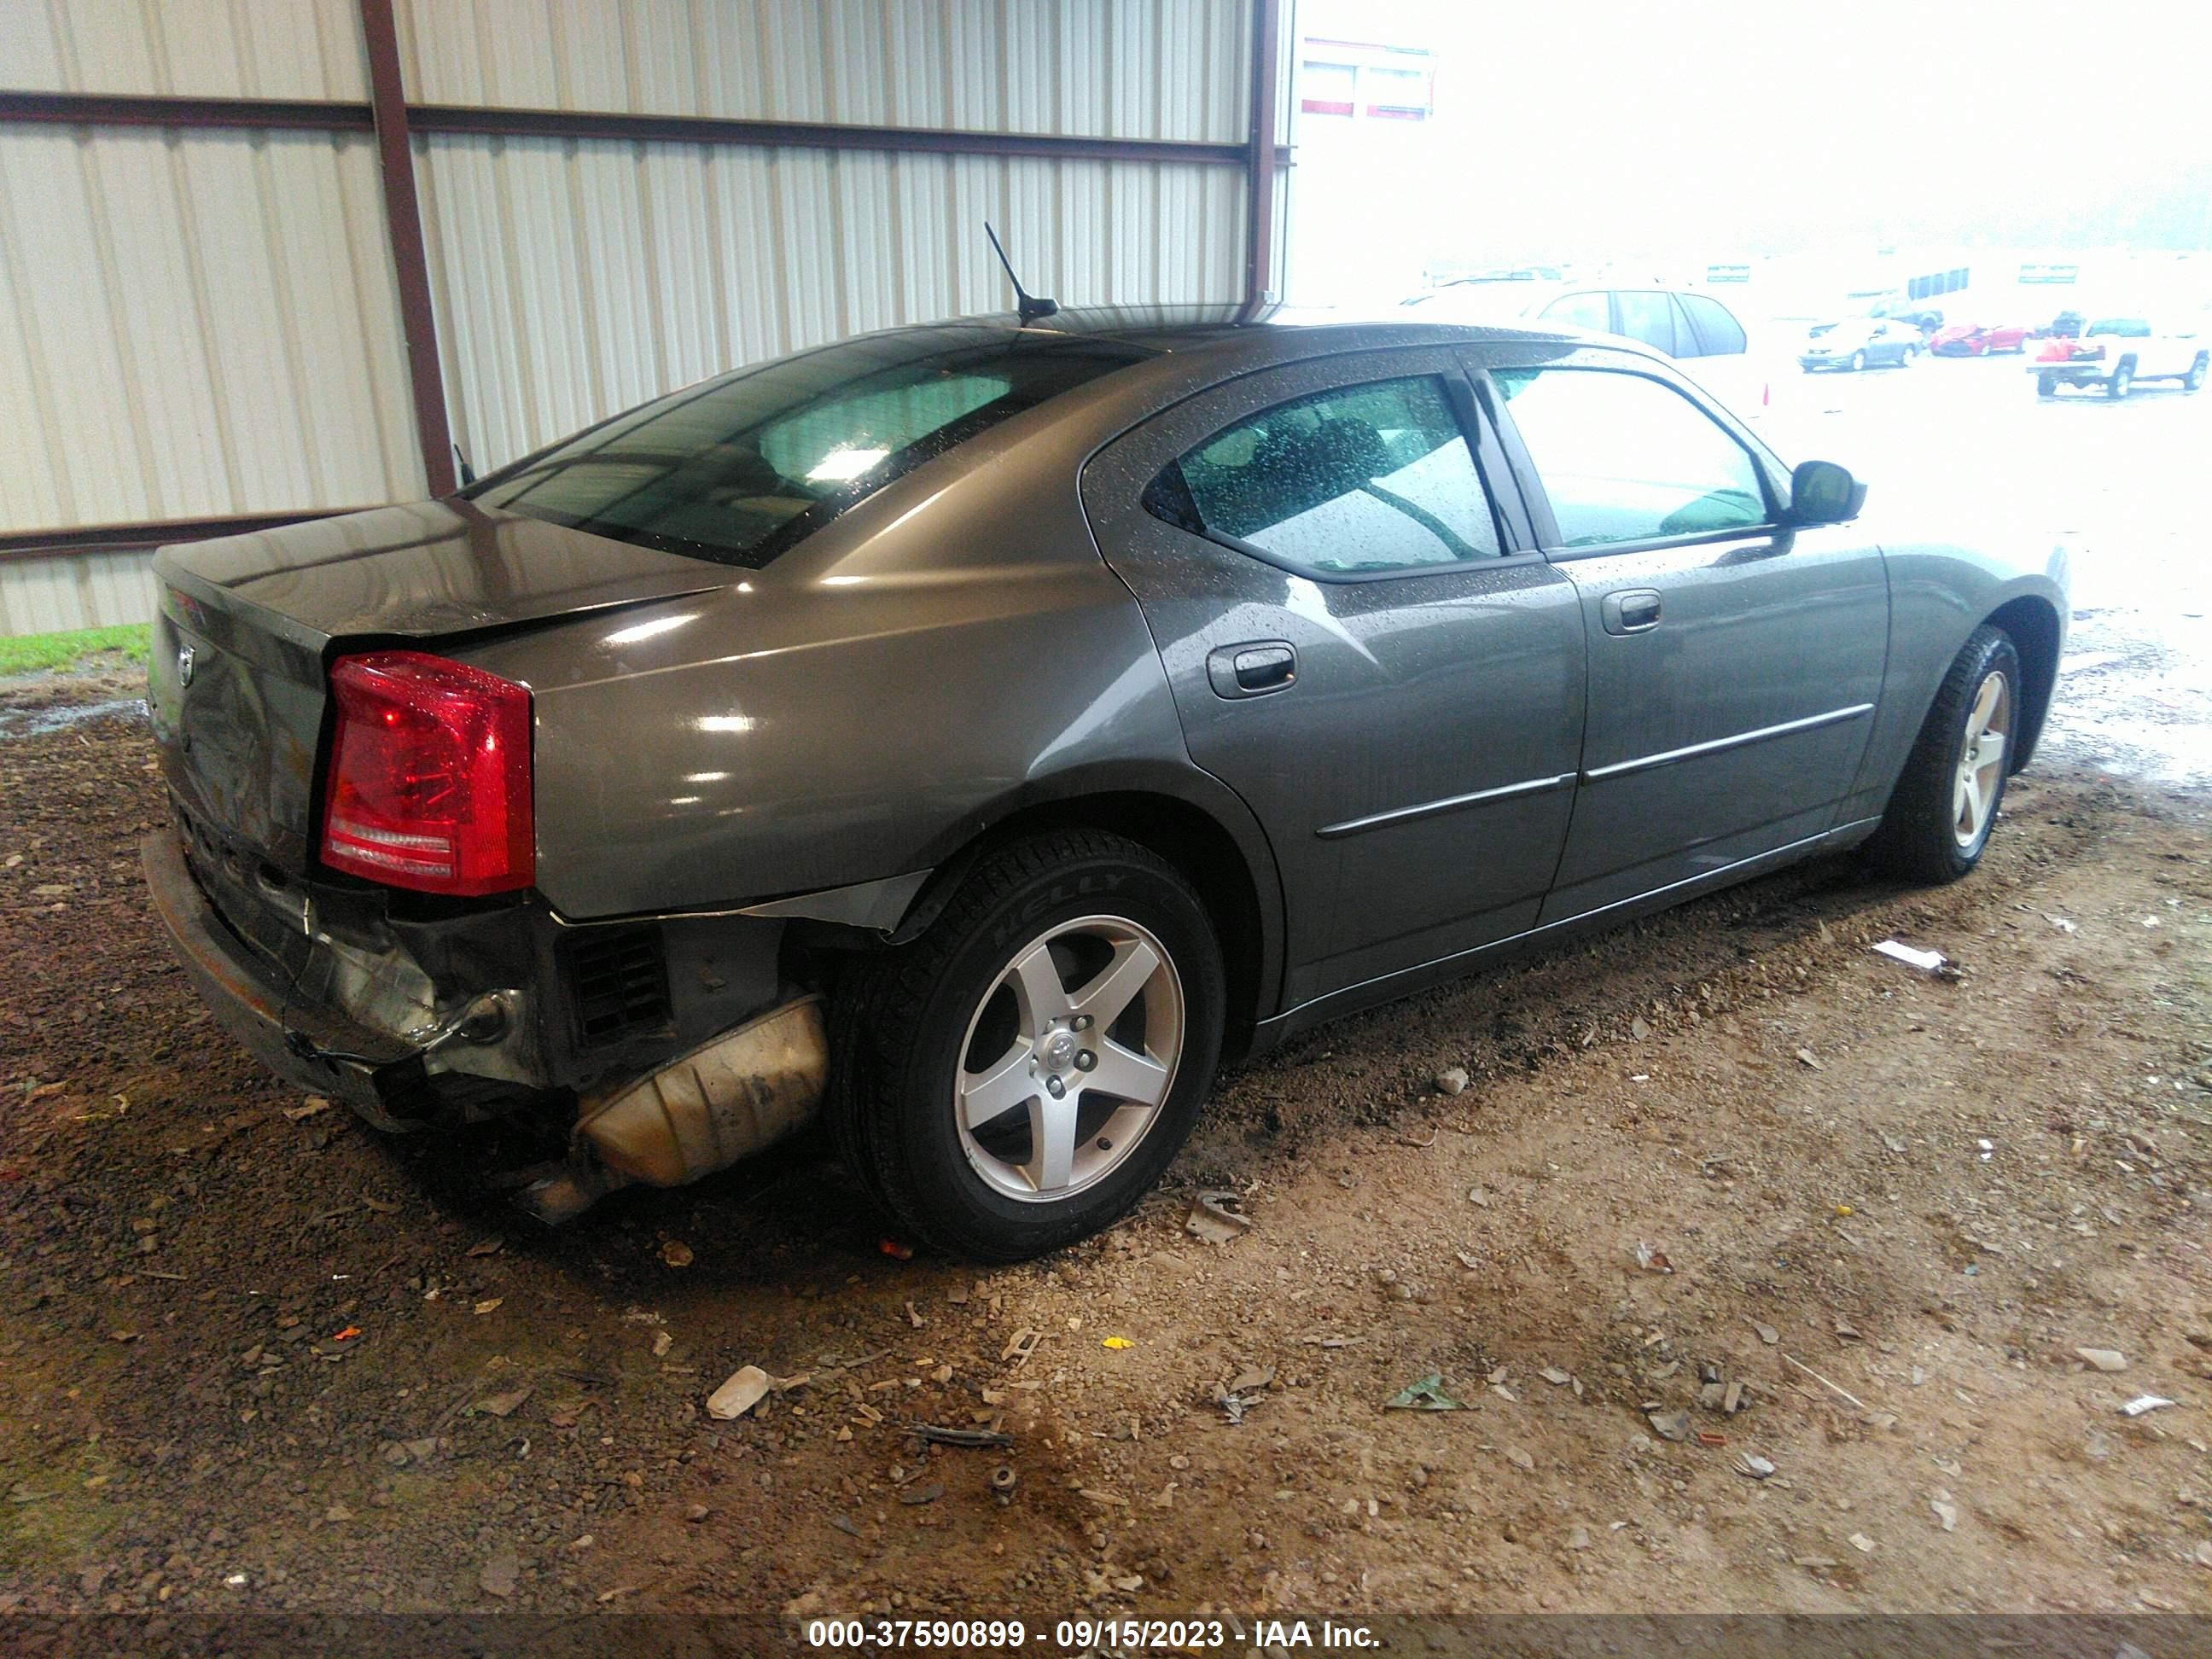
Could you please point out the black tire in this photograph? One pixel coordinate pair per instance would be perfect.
(1917, 839)
(1858, 362)
(2124, 377)
(901, 1017)
(2046, 386)
(2195, 378)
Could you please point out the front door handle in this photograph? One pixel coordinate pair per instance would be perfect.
(1632, 610)
(1253, 669)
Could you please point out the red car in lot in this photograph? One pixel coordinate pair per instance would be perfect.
(1974, 340)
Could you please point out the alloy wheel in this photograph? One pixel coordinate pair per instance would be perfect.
(1068, 1058)
(1981, 760)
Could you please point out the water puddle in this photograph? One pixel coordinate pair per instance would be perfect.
(67, 716)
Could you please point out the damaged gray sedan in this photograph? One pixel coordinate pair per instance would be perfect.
(977, 734)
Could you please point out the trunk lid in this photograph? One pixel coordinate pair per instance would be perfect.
(238, 680)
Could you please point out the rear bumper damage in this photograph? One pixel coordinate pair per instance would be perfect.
(658, 1050)
(320, 1050)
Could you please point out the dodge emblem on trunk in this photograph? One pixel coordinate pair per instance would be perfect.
(185, 658)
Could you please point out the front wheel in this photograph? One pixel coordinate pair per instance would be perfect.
(2124, 377)
(1946, 801)
(1020, 1076)
(1858, 362)
(2195, 378)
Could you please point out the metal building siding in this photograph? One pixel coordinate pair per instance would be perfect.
(575, 278)
(195, 323)
(211, 48)
(88, 589)
(1114, 69)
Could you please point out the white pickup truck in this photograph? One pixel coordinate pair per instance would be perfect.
(2116, 352)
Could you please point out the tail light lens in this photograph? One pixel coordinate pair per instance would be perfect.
(430, 779)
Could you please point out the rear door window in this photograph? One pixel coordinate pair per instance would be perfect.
(1592, 311)
(1625, 458)
(1648, 317)
(1359, 480)
(1717, 332)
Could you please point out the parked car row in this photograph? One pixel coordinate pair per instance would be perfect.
(1683, 323)
(2110, 353)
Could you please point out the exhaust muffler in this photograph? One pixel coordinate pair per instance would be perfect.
(735, 1095)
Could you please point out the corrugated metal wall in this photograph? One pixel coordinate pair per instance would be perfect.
(212, 48)
(200, 322)
(194, 323)
(81, 590)
(1117, 68)
(576, 278)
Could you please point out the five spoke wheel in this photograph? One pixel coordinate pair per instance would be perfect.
(1068, 1058)
(1982, 759)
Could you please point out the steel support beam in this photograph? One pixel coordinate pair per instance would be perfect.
(28, 544)
(403, 224)
(494, 121)
(1262, 156)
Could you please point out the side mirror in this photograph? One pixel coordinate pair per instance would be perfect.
(1820, 492)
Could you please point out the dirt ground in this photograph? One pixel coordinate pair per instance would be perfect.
(256, 1356)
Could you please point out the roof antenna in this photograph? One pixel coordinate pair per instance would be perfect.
(1027, 306)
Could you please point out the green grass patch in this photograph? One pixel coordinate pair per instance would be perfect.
(30, 654)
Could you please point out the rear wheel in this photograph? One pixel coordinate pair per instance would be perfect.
(2195, 378)
(2046, 386)
(1946, 800)
(1016, 1079)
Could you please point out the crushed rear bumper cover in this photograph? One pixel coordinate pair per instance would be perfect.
(379, 1075)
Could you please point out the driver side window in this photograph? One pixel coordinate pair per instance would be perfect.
(1625, 457)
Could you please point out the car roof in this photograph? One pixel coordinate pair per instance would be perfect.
(1278, 335)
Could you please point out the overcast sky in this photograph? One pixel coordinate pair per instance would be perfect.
(1767, 127)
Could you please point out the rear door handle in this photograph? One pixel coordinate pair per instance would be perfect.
(1253, 669)
(1632, 610)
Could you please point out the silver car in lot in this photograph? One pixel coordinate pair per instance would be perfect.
(977, 735)
(1858, 343)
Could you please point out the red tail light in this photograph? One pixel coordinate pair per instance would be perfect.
(429, 782)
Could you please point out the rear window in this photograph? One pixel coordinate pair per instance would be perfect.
(742, 467)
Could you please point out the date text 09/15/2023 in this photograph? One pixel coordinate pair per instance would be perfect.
(1084, 1635)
